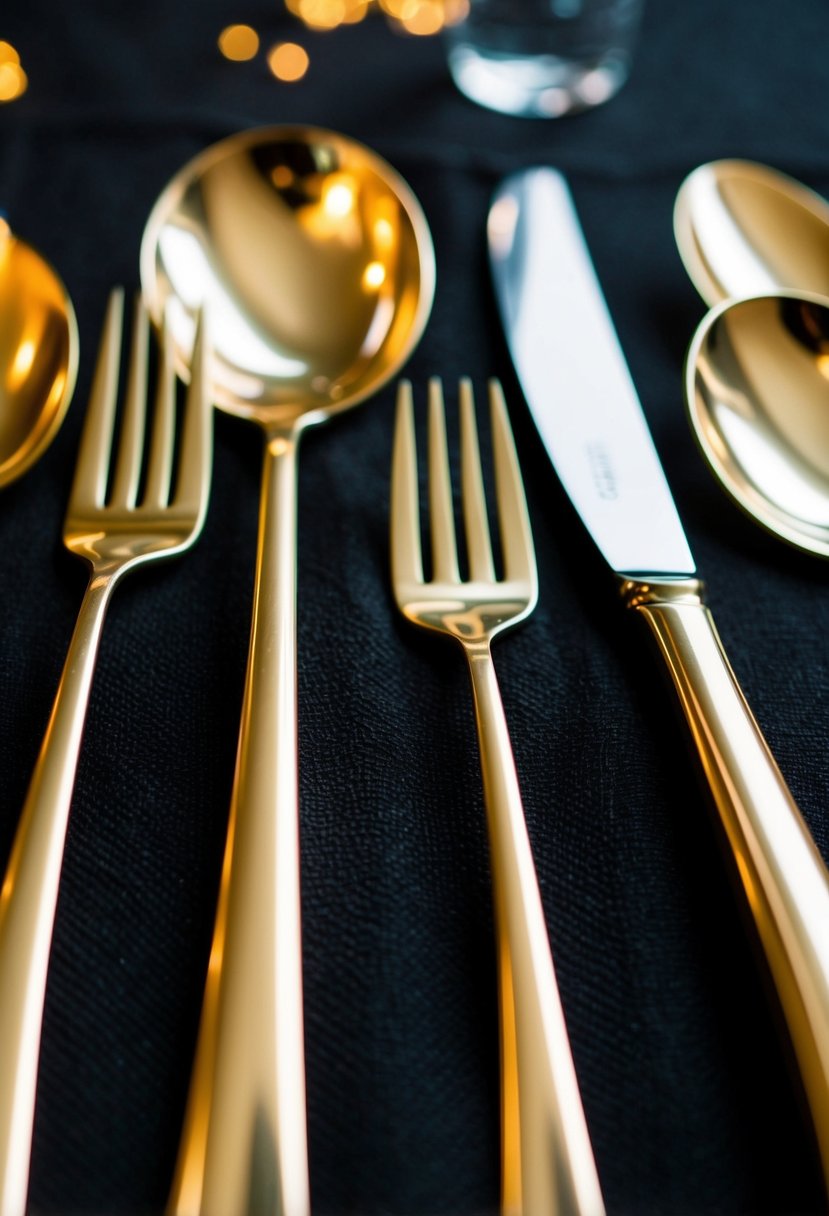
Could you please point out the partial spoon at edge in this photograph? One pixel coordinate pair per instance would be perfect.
(317, 265)
(757, 394)
(744, 229)
(756, 246)
(38, 354)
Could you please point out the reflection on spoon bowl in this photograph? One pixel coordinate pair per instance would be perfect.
(757, 394)
(313, 258)
(315, 263)
(744, 229)
(38, 355)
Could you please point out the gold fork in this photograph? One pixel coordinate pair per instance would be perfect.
(547, 1165)
(114, 533)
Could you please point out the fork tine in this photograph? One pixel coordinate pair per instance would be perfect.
(478, 541)
(92, 466)
(444, 546)
(160, 463)
(131, 444)
(197, 431)
(516, 535)
(406, 555)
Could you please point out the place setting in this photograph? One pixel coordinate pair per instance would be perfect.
(303, 909)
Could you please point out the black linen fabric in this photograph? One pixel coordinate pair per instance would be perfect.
(689, 1094)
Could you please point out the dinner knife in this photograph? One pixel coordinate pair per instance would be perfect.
(581, 395)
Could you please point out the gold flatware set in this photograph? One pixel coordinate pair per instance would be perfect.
(289, 273)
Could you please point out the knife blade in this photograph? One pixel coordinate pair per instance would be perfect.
(583, 401)
(565, 349)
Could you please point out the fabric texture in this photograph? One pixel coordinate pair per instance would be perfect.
(691, 1102)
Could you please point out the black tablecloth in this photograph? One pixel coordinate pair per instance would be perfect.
(688, 1093)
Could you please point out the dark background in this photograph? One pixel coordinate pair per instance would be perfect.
(689, 1098)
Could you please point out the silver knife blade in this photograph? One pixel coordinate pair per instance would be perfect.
(575, 378)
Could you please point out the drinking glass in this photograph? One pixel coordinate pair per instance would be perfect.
(543, 58)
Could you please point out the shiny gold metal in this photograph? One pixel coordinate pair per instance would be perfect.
(744, 229)
(114, 533)
(547, 1160)
(318, 267)
(757, 395)
(778, 866)
(38, 354)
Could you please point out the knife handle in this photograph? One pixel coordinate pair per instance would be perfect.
(779, 868)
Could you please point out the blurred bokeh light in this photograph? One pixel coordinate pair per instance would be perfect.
(412, 16)
(239, 43)
(13, 80)
(288, 61)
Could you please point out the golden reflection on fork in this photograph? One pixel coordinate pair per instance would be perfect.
(114, 532)
(547, 1160)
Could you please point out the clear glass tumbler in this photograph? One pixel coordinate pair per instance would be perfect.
(543, 58)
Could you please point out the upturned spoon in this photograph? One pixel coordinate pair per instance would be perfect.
(316, 265)
(744, 229)
(756, 245)
(38, 354)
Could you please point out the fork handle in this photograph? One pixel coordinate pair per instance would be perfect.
(244, 1144)
(547, 1159)
(29, 897)
(778, 867)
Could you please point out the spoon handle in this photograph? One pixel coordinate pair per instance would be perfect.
(781, 872)
(244, 1144)
(29, 897)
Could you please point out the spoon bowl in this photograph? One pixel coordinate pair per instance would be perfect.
(314, 263)
(744, 229)
(757, 394)
(38, 355)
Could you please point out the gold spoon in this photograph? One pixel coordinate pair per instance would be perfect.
(744, 229)
(38, 355)
(757, 392)
(756, 375)
(317, 267)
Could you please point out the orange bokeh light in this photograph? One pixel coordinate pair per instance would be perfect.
(288, 61)
(239, 43)
(13, 80)
(424, 17)
(413, 16)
